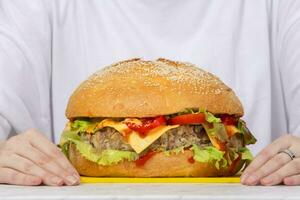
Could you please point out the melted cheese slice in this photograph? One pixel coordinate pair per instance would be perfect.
(139, 144)
(134, 140)
(119, 126)
(231, 130)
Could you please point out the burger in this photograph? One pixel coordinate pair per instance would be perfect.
(159, 118)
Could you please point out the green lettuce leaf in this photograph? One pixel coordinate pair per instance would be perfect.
(231, 155)
(248, 137)
(65, 148)
(67, 135)
(216, 130)
(82, 125)
(209, 154)
(246, 155)
(174, 151)
(109, 157)
(211, 118)
(106, 157)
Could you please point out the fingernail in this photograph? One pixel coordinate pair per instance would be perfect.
(72, 180)
(288, 181)
(251, 180)
(243, 177)
(267, 180)
(57, 181)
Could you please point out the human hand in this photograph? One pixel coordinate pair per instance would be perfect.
(272, 166)
(31, 159)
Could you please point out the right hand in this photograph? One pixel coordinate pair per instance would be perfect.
(31, 159)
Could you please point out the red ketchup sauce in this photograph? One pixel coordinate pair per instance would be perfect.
(143, 159)
(147, 125)
(191, 160)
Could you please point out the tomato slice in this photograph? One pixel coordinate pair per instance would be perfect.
(198, 118)
(229, 120)
(147, 125)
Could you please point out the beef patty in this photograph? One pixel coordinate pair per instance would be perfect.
(110, 138)
(187, 135)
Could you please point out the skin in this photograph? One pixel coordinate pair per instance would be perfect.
(31, 159)
(271, 168)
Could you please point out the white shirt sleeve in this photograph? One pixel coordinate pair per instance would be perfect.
(287, 58)
(5, 128)
(25, 66)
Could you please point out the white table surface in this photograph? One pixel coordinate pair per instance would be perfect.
(150, 191)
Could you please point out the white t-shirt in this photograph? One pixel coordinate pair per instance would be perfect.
(48, 47)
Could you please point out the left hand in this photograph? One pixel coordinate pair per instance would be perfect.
(270, 167)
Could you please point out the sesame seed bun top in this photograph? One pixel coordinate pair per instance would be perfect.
(139, 88)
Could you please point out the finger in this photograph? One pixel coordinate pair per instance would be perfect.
(47, 163)
(44, 145)
(271, 166)
(292, 180)
(290, 169)
(23, 165)
(11, 176)
(267, 153)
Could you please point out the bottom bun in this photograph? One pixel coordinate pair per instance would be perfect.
(160, 165)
